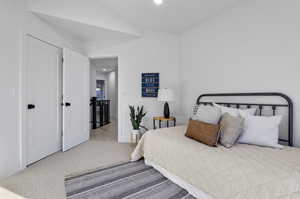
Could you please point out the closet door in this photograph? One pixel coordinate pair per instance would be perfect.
(76, 99)
(43, 98)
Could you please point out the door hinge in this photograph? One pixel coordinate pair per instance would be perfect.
(62, 60)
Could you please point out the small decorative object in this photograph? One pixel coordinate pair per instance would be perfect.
(136, 117)
(150, 84)
(166, 95)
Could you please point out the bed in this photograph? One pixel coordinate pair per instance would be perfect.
(242, 172)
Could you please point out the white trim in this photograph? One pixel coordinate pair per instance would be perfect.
(23, 154)
(22, 130)
(49, 43)
(190, 188)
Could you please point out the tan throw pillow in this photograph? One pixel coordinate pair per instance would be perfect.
(231, 128)
(203, 132)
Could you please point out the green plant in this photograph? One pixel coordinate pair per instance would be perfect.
(136, 116)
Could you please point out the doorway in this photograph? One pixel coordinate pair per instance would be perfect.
(104, 89)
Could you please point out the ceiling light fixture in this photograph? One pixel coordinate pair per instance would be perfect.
(158, 2)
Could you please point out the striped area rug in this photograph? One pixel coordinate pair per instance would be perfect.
(132, 180)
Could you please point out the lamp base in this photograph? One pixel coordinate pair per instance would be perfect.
(166, 110)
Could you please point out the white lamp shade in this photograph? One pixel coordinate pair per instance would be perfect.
(165, 95)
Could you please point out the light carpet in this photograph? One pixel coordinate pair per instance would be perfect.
(45, 179)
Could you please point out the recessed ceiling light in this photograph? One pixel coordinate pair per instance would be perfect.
(158, 2)
(104, 69)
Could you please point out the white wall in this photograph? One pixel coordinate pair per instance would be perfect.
(155, 52)
(15, 23)
(38, 28)
(10, 60)
(112, 93)
(93, 74)
(252, 47)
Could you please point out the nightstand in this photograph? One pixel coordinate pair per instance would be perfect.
(163, 119)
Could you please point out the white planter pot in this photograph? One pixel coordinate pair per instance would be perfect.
(135, 136)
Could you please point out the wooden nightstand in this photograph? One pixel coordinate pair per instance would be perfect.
(163, 119)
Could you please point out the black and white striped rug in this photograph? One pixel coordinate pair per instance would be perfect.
(128, 180)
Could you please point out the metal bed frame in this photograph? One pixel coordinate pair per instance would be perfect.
(289, 105)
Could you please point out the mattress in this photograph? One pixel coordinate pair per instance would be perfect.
(241, 172)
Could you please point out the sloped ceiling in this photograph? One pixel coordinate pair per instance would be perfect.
(91, 23)
(85, 33)
(105, 23)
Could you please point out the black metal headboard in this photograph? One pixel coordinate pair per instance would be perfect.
(289, 105)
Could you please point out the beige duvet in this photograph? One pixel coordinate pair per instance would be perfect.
(242, 172)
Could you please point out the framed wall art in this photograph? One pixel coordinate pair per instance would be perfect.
(150, 84)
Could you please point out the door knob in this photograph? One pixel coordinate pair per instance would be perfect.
(30, 106)
(68, 104)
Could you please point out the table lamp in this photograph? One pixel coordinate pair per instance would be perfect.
(166, 95)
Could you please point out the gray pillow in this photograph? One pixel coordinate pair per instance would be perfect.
(208, 114)
(231, 128)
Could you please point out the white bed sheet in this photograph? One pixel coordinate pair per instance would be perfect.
(242, 172)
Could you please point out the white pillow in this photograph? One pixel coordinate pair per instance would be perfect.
(261, 131)
(235, 111)
(208, 114)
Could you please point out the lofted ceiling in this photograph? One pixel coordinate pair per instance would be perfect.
(172, 16)
(100, 24)
(85, 33)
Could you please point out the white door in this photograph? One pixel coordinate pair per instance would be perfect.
(43, 99)
(76, 99)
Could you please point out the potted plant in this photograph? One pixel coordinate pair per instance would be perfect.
(136, 117)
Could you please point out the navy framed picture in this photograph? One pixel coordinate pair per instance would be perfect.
(150, 84)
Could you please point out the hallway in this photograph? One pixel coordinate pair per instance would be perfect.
(106, 133)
